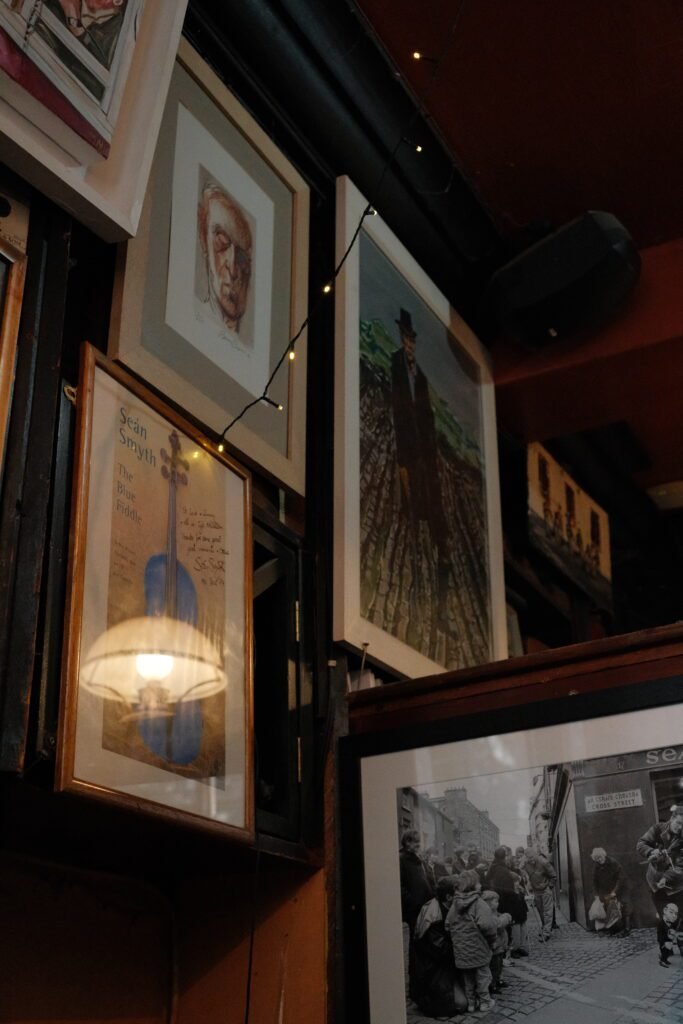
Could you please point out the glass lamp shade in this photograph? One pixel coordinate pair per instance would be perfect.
(153, 655)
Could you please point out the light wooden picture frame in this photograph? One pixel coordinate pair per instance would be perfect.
(14, 221)
(171, 734)
(208, 348)
(418, 561)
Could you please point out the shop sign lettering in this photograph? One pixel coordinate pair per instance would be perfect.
(614, 801)
(666, 755)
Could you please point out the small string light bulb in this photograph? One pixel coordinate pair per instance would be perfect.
(418, 148)
(327, 289)
(221, 447)
(419, 55)
(280, 407)
(292, 354)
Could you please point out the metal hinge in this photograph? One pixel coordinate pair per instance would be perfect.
(297, 634)
(298, 760)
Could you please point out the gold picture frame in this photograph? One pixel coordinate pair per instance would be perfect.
(126, 734)
(14, 218)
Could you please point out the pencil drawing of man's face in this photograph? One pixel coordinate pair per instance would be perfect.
(226, 242)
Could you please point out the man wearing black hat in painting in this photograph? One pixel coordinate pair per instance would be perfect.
(416, 444)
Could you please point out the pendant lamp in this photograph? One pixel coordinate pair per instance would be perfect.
(153, 661)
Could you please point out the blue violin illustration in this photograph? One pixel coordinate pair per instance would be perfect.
(169, 591)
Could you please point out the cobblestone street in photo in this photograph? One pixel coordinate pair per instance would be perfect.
(580, 977)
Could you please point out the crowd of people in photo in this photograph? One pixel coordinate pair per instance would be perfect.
(467, 918)
(466, 915)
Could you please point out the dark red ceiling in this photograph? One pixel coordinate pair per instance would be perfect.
(553, 108)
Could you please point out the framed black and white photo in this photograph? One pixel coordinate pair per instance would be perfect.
(418, 564)
(577, 801)
(215, 284)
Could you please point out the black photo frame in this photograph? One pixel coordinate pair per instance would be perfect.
(595, 688)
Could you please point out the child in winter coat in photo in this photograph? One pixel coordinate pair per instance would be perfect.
(669, 933)
(500, 945)
(473, 930)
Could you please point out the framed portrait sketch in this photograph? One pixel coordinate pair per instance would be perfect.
(418, 567)
(525, 863)
(156, 707)
(214, 286)
(81, 81)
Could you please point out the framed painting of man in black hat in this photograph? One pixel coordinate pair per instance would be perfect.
(418, 562)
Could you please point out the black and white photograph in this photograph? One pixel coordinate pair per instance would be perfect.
(549, 893)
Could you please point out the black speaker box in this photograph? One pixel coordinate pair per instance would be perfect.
(578, 277)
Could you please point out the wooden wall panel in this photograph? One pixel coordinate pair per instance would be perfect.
(567, 671)
(75, 947)
(289, 968)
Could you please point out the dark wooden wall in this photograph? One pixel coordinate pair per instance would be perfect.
(103, 913)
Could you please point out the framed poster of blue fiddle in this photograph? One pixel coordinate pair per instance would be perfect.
(156, 705)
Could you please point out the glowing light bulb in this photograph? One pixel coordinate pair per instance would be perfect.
(154, 666)
(292, 354)
(418, 149)
(417, 55)
(221, 447)
(280, 408)
(327, 289)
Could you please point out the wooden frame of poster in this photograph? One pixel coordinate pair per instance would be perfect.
(14, 219)
(189, 758)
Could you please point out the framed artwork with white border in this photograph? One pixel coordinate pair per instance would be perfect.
(64, 64)
(156, 704)
(55, 137)
(215, 284)
(418, 563)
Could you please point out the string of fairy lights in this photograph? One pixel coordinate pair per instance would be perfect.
(289, 353)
